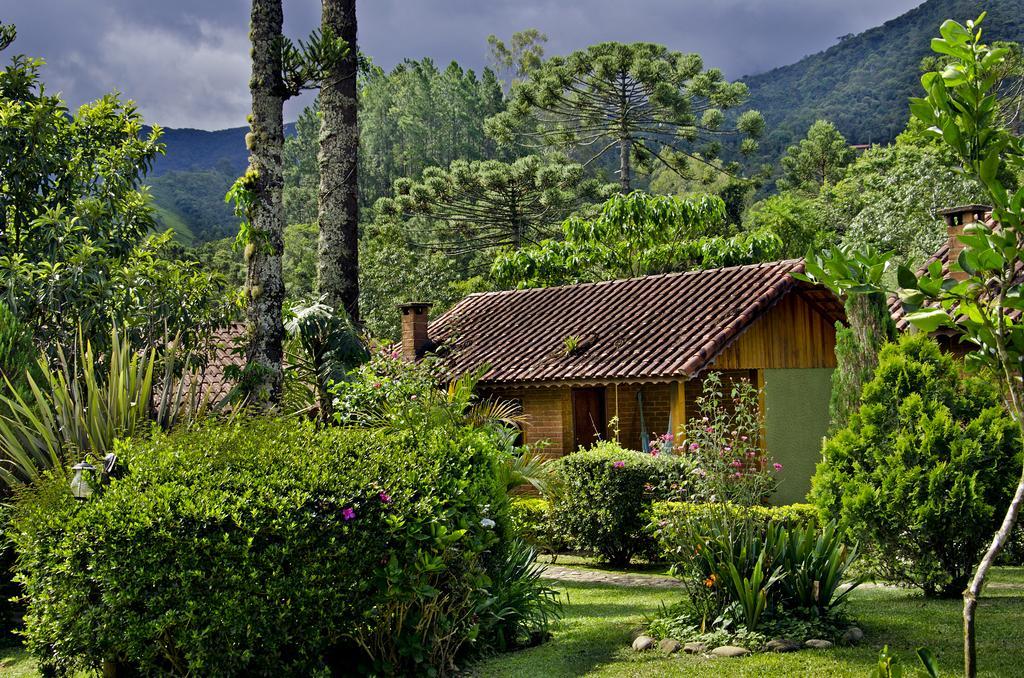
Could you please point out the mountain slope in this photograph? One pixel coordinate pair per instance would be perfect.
(188, 183)
(862, 84)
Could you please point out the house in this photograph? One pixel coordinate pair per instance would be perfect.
(633, 354)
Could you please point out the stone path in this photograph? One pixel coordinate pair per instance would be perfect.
(578, 574)
(588, 576)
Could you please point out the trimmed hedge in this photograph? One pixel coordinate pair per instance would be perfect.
(268, 547)
(604, 497)
(531, 520)
(665, 516)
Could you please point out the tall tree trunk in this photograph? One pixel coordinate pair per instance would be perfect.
(625, 148)
(264, 283)
(338, 204)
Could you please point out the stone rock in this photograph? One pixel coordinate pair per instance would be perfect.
(851, 636)
(782, 645)
(643, 643)
(670, 645)
(695, 648)
(730, 651)
(818, 644)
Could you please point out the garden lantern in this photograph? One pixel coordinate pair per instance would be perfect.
(80, 487)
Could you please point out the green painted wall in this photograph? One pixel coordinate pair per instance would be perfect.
(796, 418)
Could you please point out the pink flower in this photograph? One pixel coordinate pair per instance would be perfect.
(655, 453)
(385, 498)
(752, 453)
(743, 438)
(694, 446)
(667, 436)
(738, 474)
(709, 429)
(619, 464)
(777, 466)
(648, 487)
(377, 385)
(737, 464)
(727, 448)
(413, 397)
(348, 513)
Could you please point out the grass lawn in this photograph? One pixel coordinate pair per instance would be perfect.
(599, 621)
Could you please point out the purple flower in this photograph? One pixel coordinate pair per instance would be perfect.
(737, 464)
(348, 513)
(385, 498)
(728, 448)
(709, 429)
(619, 464)
(694, 446)
(777, 466)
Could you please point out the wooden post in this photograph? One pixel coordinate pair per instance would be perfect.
(677, 409)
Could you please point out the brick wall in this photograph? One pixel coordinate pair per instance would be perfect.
(656, 411)
(549, 414)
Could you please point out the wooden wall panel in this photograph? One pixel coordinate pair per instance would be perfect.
(791, 335)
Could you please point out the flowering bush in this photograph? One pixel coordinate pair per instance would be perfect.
(724, 440)
(604, 496)
(273, 547)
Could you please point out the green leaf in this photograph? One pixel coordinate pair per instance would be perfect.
(906, 278)
(929, 319)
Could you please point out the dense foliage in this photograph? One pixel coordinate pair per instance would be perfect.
(634, 235)
(604, 495)
(920, 473)
(216, 552)
(74, 221)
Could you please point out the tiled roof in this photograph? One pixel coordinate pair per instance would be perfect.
(655, 327)
(223, 350)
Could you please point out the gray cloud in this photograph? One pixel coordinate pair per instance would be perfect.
(185, 62)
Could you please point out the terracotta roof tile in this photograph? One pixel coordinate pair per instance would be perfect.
(655, 327)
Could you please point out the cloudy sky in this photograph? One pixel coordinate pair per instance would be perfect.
(185, 62)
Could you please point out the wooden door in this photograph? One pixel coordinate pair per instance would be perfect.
(588, 416)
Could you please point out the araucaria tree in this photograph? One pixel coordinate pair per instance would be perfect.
(487, 204)
(642, 99)
(338, 204)
(817, 160)
(279, 72)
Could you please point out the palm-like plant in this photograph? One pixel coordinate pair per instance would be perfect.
(71, 409)
(78, 406)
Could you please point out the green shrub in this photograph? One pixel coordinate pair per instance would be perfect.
(664, 511)
(532, 521)
(922, 473)
(604, 497)
(264, 547)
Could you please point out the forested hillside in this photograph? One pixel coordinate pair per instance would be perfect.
(189, 181)
(862, 84)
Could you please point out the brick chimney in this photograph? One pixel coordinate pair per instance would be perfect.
(956, 218)
(414, 328)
